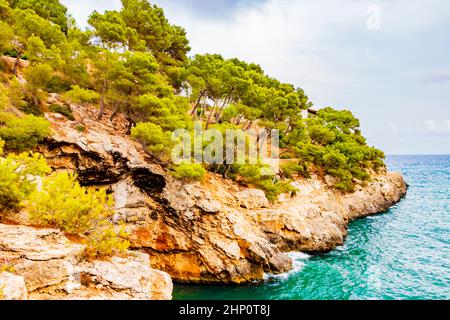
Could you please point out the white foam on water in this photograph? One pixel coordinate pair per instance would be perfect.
(298, 263)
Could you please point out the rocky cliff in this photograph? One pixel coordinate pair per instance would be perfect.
(209, 232)
(44, 264)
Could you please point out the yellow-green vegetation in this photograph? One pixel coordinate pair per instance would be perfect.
(64, 204)
(154, 139)
(193, 172)
(81, 95)
(22, 133)
(61, 109)
(332, 140)
(18, 178)
(6, 267)
(132, 60)
(106, 241)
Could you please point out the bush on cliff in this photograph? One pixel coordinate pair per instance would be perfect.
(64, 204)
(18, 178)
(63, 110)
(154, 139)
(22, 133)
(193, 172)
(81, 96)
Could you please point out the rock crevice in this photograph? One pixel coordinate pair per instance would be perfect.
(215, 231)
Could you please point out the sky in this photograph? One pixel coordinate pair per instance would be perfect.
(388, 61)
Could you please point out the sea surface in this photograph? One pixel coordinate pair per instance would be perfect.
(401, 254)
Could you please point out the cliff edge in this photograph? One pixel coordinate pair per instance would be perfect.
(215, 231)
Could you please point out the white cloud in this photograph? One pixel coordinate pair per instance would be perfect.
(435, 126)
(81, 9)
(325, 47)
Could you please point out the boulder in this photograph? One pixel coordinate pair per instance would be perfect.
(252, 199)
(131, 275)
(48, 266)
(12, 287)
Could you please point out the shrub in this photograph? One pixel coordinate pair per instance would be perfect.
(31, 108)
(61, 109)
(4, 100)
(64, 204)
(81, 96)
(58, 85)
(16, 178)
(80, 128)
(17, 96)
(106, 241)
(290, 169)
(274, 189)
(194, 172)
(23, 133)
(6, 267)
(153, 138)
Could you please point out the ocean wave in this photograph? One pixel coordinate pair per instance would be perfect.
(298, 263)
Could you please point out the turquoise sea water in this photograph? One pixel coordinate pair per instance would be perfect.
(402, 254)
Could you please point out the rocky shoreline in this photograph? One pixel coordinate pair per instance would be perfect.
(211, 232)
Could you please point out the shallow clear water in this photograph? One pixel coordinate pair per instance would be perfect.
(403, 254)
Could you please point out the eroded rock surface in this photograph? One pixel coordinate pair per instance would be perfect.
(46, 265)
(12, 287)
(211, 232)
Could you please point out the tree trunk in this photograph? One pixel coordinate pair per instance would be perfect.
(249, 125)
(114, 113)
(36, 99)
(16, 64)
(219, 113)
(130, 122)
(210, 115)
(197, 103)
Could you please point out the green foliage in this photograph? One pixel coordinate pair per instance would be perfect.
(4, 99)
(80, 128)
(17, 96)
(51, 10)
(262, 177)
(57, 85)
(132, 60)
(61, 109)
(6, 266)
(17, 180)
(23, 133)
(64, 204)
(291, 169)
(81, 96)
(106, 241)
(334, 143)
(194, 172)
(153, 138)
(273, 189)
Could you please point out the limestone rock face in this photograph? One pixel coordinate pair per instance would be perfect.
(252, 199)
(131, 275)
(316, 219)
(12, 287)
(43, 257)
(209, 232)
(47, 265)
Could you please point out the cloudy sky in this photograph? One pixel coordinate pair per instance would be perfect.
(388, 61)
